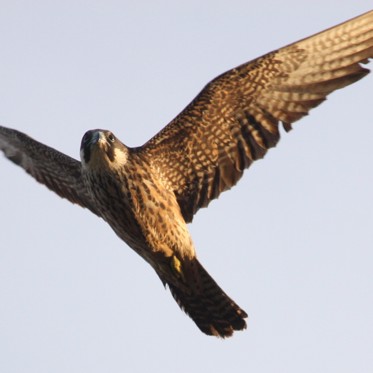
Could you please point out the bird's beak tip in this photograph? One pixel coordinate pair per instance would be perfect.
(91, 137)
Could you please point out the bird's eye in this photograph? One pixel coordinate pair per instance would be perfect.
(111, 137)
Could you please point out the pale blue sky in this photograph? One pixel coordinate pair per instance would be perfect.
(292, 243)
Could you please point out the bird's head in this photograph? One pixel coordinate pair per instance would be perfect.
(102, 148)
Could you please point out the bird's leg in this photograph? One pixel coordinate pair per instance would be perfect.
(177, 268)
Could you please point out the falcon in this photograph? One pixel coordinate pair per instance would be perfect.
(148, 194)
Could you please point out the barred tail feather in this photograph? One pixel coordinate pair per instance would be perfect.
(207, 304)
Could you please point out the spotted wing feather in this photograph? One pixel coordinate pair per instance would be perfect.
(235, 119)
(59, 172)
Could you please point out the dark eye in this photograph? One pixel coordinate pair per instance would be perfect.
(111, 137)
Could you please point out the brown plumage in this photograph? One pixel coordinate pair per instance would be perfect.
(148, 194)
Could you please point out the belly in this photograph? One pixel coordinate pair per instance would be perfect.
(144, 215)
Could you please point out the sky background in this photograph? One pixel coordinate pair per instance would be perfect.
(292, 243)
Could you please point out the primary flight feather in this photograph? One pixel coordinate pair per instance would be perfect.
(148, 194)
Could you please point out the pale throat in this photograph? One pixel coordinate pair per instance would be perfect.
(99, 159)
(120, 156)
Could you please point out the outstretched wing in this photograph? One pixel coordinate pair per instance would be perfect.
(57, 171)
(235, 119)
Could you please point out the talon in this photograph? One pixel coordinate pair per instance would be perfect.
(176, 267)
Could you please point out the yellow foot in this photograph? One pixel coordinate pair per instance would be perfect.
(176, 268)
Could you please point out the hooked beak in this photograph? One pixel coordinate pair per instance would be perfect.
(89, 139)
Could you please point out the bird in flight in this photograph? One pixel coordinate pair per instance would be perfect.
(148, 194)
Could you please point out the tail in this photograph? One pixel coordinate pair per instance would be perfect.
(207, 304)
